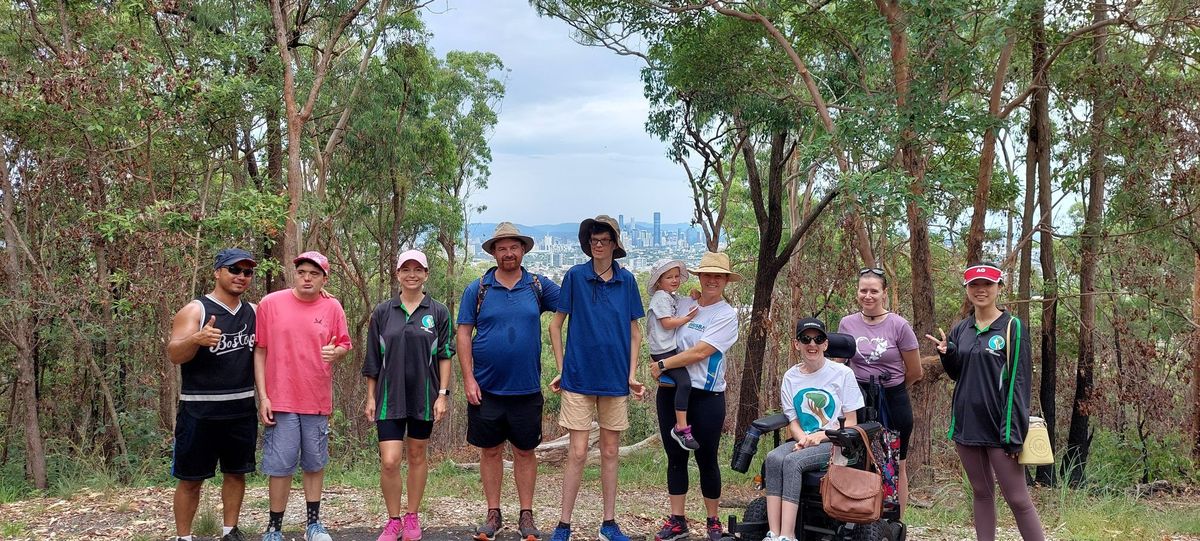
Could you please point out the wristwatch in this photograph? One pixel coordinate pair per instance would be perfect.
(444, 392)
(661, 367)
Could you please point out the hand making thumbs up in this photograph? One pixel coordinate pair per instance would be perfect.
(208, 335)
(329, 351)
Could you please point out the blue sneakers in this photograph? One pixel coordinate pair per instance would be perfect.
(561, 534)
(612, 533)
(316, 532)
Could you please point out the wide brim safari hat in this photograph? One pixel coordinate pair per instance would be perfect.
(585, 236)
(716, 263)
(660, 268)
(506, 230)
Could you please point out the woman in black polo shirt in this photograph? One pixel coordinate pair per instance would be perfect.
(407, 367)
(987, 356)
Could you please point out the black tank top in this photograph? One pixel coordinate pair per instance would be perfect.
(218, 383)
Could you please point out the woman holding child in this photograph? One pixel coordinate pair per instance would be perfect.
(701, 342)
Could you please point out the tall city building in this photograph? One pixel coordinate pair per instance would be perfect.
(621, 221)
(658, 229)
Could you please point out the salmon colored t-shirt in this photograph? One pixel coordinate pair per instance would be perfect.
(293, 332)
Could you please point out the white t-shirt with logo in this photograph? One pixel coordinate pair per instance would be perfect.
(715, 325)
(815, 400)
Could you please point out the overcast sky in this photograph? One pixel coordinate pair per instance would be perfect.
(571, 141)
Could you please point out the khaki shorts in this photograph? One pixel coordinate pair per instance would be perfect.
(575, 411)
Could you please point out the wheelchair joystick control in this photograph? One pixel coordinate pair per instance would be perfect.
(745, 452)
(841, 422)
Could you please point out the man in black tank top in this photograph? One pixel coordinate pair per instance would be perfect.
(212, 341)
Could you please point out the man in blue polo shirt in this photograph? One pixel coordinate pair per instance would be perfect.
(502, 372)
(597, 366)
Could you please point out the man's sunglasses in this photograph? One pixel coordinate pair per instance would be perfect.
(873, 270)
(806, 339)
(236, 270)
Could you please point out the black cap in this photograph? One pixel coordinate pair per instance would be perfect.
(810, 323)
(229, 256)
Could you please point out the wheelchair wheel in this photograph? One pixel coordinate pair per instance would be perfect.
(756, 513)
(875, 531)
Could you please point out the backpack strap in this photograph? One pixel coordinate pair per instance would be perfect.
(483, 287)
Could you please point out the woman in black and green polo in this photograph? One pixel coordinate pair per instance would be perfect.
(407, 367)
(987, 356)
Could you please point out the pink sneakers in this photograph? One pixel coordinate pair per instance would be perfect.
(391, 531)
(412, 527)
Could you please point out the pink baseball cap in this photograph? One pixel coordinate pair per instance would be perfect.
(413, 255)
(315, 258)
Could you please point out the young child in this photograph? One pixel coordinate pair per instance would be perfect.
(665, 277)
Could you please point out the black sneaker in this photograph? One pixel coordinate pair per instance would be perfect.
(674, 528)
(234, 535)
(487, 530)
(527, 528)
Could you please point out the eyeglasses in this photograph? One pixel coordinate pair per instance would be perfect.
(600, 243)
(806, 339)
(873, 270)
(236, 270)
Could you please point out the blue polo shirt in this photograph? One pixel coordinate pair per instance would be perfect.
(507, 347)
(596, 360)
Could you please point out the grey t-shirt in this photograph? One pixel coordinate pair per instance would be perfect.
(660, 340)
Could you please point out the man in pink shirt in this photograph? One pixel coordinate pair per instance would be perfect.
(300, 333)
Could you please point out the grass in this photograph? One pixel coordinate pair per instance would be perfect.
(10, 530)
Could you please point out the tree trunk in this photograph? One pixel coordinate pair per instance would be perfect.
(913, 163)
(22, 335)
(1079, 438)
(987, 158)
(1039, 145)
(1196, 360)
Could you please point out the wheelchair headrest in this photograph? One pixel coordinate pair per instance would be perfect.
(841, 346)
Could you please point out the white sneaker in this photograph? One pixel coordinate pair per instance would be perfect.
(770, 537)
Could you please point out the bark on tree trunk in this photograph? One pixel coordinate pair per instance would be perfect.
(1079, 438)
(22, 336)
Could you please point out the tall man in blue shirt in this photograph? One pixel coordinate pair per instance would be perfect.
(596, 369)
(502, 372)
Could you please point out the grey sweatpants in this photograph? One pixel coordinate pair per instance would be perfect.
(785, 468)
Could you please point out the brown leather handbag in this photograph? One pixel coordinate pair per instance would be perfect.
(850, 494)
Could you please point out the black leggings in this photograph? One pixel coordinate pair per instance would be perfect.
(679, 375)
(706, 414)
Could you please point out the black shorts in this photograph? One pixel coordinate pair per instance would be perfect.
(201, 443)
(393, 429)
(515, 418)
(900, 414)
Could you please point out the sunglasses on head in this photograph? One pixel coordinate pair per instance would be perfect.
(806, 339)
(873, 270)
(236, 270)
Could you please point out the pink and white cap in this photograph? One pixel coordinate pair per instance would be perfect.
(413, 255)
(983, 272)
(316, 258)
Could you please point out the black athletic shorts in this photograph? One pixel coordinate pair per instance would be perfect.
(201, 443)
(900, 414)
(515, 418)
(393, 429)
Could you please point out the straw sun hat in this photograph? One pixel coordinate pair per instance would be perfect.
(716, 263)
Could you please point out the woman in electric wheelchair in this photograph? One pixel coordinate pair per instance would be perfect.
(814, 393)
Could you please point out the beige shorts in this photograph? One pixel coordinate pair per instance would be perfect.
(575, 411)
